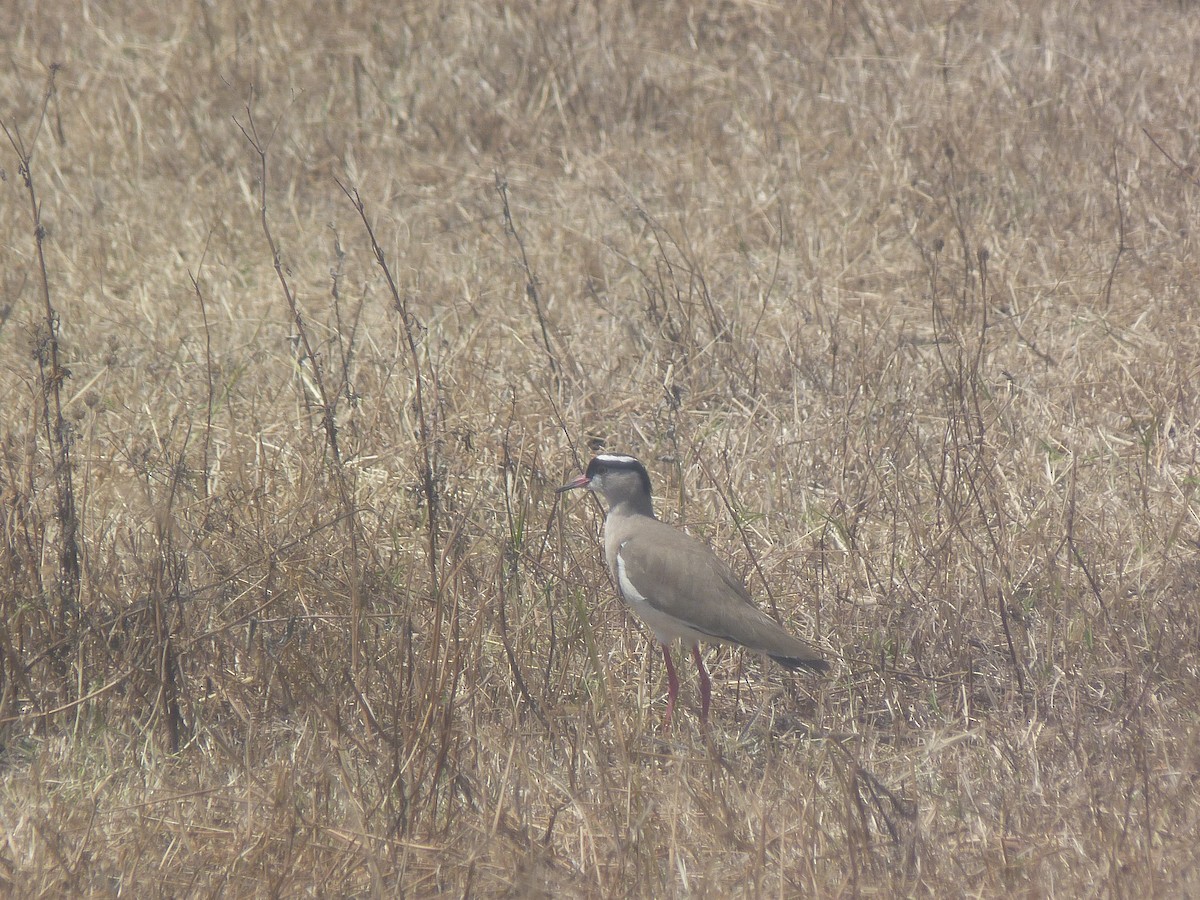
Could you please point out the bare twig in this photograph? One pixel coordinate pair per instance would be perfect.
(328, 401)
(208, 369)
(1121, 246)
(531, 282)
(411, 325)
(1188, 171)
(51, 375)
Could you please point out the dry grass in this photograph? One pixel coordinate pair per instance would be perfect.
(897, 300)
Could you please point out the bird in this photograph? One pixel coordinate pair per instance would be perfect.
(677, 585)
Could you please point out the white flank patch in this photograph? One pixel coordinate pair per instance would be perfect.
(632, 595)
(665, 627)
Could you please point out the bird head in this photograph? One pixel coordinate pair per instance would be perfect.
(618, 478)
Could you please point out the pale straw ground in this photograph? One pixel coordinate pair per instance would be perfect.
(898, 302)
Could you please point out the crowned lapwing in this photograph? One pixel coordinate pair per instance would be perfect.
(675, 584)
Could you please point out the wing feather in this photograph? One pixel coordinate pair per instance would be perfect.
(681, 578)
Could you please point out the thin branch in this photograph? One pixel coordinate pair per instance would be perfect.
(410, 326)
(1121, 246)
(51, 376)
(531, 282)
(327, 400)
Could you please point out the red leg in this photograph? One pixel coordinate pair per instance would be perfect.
(672, 685)
(705, 684)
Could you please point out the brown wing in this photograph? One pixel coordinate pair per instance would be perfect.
(682, 578)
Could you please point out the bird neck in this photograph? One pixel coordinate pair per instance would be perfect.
(633, 506)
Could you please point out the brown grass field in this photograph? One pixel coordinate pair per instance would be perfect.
(306, 312)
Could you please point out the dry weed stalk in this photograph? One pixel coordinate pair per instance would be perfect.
(531, 283)
(52, 375)
(327, 400)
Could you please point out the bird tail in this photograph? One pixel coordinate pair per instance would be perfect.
(798, 662)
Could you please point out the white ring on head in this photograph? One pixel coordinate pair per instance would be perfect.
(617, 458)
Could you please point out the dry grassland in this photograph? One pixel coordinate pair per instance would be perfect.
(898, 301)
